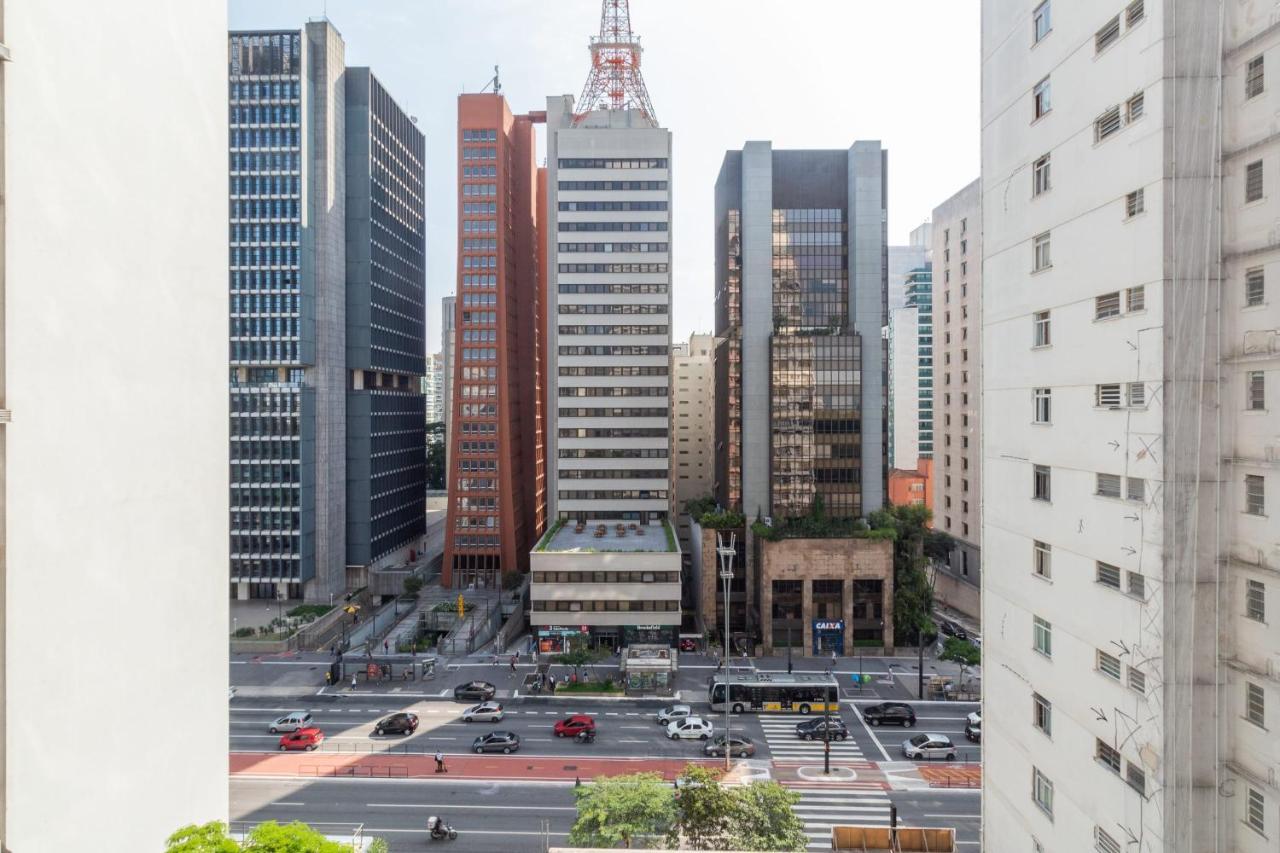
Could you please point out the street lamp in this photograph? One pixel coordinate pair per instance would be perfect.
(726, 553)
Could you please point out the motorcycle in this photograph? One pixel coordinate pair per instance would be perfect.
(585, 736)
(438, 829)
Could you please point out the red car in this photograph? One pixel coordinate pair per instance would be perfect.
(571, 726)
(307, 739)
(687, 644)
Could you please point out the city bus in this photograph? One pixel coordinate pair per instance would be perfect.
(775, 691)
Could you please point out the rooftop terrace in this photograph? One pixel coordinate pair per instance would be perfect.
(601, 536)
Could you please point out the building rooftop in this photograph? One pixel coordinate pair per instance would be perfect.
(570, 537)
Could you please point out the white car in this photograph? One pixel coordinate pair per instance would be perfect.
(690, 727)
(489, 711)
(673, 712)
(929, 746)
(290, 722)
(974, 718)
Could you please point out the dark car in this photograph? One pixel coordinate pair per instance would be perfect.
(479, 691)
(496, 742)
(739, 745)
(890, 714)
(953, 629)
(816, 729)
(396, 724)
(973, 727)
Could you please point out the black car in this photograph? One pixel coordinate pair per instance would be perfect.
(816, 728)
(953, 629)
(476, 691)
(496, 742)
(890, 714)
(397, 724)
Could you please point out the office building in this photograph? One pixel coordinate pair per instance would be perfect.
(1129, 350)
(494, 439)
(326, 317)
(433, 388)
(113, 422)
(957, 346)
(692, 424)
(448, 345)
(903, 259)
(911, 373)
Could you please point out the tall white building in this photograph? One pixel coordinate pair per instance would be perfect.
(1130, 343)
(693, 426)
(113, 491)
(433, 385)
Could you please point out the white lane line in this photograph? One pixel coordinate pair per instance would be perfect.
(442, 738)
(639, 728)
(458, 806)
(626, 740)
(282, 803)
(872, 735)
(611, 713)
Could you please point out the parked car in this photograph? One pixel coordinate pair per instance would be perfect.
(673, 712)
(397, 724)
(816, 729)
(570, 726)
(307, 739)
(488, 711)
(481, 691)
(929, 746)
(953, 629)
(739, 745)
(690, 727)
(973, 727)
(505, 742)
(688, 644)
(890, 713)
(290, 722)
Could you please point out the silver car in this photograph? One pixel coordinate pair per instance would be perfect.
(672, 713)
(488, 711)
(290, 722)
(929, 746)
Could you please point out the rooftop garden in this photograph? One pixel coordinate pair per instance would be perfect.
(710, 515)
(817, 524)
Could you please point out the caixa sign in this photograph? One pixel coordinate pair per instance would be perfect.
(831, 625)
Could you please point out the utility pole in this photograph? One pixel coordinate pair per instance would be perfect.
(726, 553)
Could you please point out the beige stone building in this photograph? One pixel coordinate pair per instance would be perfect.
(692, 426)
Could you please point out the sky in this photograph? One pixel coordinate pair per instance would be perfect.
(802, 73)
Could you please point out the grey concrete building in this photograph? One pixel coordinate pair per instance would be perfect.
(448, 340)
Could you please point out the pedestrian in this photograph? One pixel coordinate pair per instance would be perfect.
(353, 681)
(328, 677)
(385, 647)
(440, 768)
(513, 663)
(551, 683)
(833, 658)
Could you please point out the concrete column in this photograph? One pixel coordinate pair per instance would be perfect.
(806, 614)
(846, 608)
(766, 615)
(888, 611)
(757, 324)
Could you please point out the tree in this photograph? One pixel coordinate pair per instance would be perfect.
(269, 837)
(763, 819)
(413, 585)
(578, 658)
(912, 591)
(938, 546)
(209, 837)
(962, 652)
(705, 810)
(621, 809)
(436, 444)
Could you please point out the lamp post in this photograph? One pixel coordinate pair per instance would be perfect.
(726, 553)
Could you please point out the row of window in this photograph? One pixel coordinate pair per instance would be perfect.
(613, 247)
(264, 137)
(479, 226)
(606, 577)
(479, 153)
(613, 413)
(613, 432)
(613, 350)
(615, 268)
(615, 163)
(623, 308)
(475, 542)
(264, 114)
(265, 208)
(274, 352)
(266, 161)
(480, 245)
(613, 330)
(479, 208)
(624, 391)
(480, 135)
(613, 474)
(614, 371)
(264, 327)
(479, 172)
(479, 280)
(266, 303)
(278, 232)
(565, 186)
(265, 91)
(614, 226)
(612, 494)
(613, 288)
(480, 317)
(607, 606)
(260, 185)
(620, 453)
(470, 262)
(598, 206)
(481, 190)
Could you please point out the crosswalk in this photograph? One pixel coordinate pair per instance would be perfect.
(823, 807)
(780, 735)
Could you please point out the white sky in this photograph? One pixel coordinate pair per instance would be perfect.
(802, 73)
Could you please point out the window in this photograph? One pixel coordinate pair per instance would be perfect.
(1043, 633)
(1040, 398)
(1042, 713)
(1107, 756)
(1108, 575)
(1041, 23)
(1106, 305)
(1041, 336)
(1135, 489)
(1255, 600)
(1109, 665)
(1134, 107)
(1254, 287)
(1253, 181)
(1136, 298)
(1040, 176)
(1255, 704)
(1040, 483)
(1136, 777)
(1042, 791)
(1137, 680)
(1107, 36)
(1108, 485)
(1255, 810)
(1137, 394)
(1041, 559)
(1254, 78)
(1107, 396)
(1137, 584)
(1256, 382)
(1255, 494)
(1104, 843)
(1107, 124)
(1134, 13)
(1040, 99)
(1040, 252)
(1135, 203)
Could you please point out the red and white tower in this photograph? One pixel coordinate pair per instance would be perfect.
(615, 82)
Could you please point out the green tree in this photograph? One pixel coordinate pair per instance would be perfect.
(938, 545)
(763, 819)
(578, 658)
(269, 837)
(618, 810)
(704, 810)
(208, 837)
(413, 585)
(912, 592)
(378, 845)
(436, 441)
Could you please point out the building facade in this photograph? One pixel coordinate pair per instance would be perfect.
(911, 373)
(1129, 151)
(957, 422)
(692, 424)
(113, 420)
(433, 388)
(494, 437)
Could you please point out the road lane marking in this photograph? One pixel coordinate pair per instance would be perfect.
(282, 803)
(453, 806)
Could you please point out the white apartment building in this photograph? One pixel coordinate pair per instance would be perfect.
(433, 387)
(693, 426)
(904, 387)
(1130, 339)
(114, 490)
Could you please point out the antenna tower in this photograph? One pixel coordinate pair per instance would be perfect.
(615, 82)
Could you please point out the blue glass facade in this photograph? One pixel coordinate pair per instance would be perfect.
(920, 296)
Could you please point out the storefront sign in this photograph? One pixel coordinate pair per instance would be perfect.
(831, 625)
(562, 630)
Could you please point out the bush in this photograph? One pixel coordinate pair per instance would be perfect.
(243, 632)
(413, 585)
(309, 612)
(512, 580)
(727, 520)
(698, 507)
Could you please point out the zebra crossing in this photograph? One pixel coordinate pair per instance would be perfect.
(780, 734)
(822, 808)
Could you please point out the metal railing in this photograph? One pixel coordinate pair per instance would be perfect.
(239, 830)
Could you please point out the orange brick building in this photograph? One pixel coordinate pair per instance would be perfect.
(907, 488)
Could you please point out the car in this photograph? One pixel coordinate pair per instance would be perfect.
(886, 713)
(673, 712)
(505, 742)
(929, 746)
(688, 645)
(308, 739)
(571, 726)
(290, 722)
(481, 691)
(953, 629)
(973, 727)
(816, 728)
(488, 711)
(739, 745)
(690, 727)
(397, 724)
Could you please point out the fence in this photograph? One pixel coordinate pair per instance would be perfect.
(355, 771)
(344, 833)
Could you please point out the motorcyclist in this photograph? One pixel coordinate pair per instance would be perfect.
(437, 827)
(586, 735)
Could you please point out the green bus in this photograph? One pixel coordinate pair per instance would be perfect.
(788, 693)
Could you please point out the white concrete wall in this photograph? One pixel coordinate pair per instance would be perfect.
(904, 388)
(116, 363)
(692, 427)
